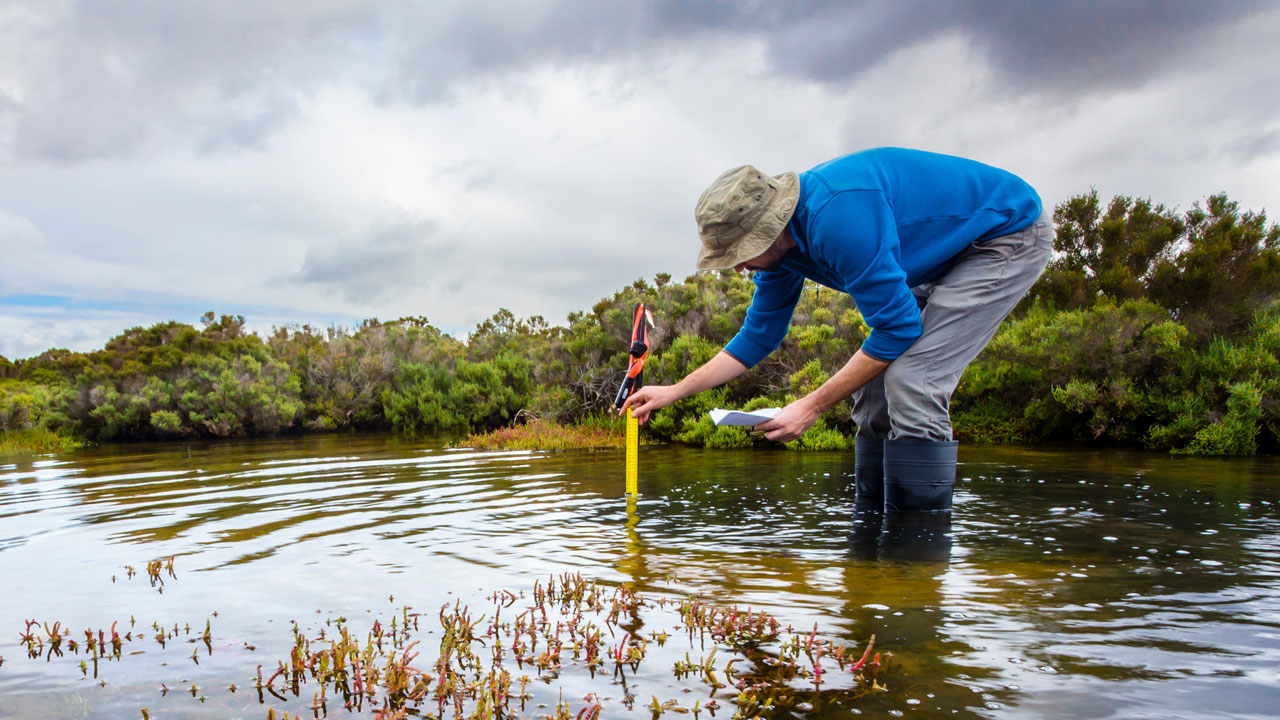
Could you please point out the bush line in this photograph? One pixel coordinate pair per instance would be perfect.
(1151, 328)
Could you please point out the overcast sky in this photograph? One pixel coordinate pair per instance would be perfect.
(328, 161)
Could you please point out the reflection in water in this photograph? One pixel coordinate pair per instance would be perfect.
(1065, 584)
(915, 537)
(631, 562)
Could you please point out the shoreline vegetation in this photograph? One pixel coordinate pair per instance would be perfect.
(35, 441)
(1151, 328)
(599, 432)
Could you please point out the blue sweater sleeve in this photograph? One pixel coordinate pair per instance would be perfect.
(777, 292)
(855, 235)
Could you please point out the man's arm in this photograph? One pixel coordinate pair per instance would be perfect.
(800, 415)
(773, 302)
(718, 370)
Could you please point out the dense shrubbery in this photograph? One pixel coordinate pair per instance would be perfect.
(1212, 268)
(1125, 374)
(1150, 329)
(166, 380)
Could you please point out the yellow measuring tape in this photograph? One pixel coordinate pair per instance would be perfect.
(633, 452)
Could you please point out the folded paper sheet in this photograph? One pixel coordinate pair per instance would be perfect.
(742, 417)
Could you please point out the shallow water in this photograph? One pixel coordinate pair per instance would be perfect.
(1068, 584)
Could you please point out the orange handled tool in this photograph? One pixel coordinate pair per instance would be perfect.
(639, 352)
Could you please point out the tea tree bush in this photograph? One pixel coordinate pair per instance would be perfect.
(457, 399)
(1106, 253)
(20, 404)
(1124, 374)
(1066, 375)
(1212, 267)
(1221, 399)
(1228, 269)
(343, 374)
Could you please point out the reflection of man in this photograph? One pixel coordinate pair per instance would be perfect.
(935, 250)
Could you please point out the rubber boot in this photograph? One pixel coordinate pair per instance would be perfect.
(919, 475)
(868, 474)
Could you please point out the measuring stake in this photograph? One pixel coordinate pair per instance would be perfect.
(633, 452)
(634, 380)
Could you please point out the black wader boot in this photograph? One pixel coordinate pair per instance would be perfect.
(868, 473)
(919, 475)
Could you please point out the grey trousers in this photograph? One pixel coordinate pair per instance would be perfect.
(960, 312)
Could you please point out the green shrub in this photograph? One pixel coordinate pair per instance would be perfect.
(166, 422)
(458, 399)
(1236, 432)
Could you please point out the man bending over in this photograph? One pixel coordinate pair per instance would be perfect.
(935, 250)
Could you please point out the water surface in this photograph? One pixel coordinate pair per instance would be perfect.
(1069, 583)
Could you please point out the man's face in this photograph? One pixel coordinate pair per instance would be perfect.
(770, 259)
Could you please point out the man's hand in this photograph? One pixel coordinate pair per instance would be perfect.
(649, 398)
(791, 422)
(720, 369)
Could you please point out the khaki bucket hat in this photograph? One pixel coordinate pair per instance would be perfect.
(741, 214)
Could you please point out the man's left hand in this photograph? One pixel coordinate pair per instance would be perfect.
(791, 421)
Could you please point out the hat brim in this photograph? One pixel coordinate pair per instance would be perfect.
(761, 237)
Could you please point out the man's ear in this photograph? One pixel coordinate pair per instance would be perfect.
(785, 241)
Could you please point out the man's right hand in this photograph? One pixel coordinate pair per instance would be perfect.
(720, 369)
(649, 398)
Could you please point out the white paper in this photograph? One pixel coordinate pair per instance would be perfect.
(742, 417)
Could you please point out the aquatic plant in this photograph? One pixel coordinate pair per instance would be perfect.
(548, 435)
(154, 568)
(153, 572)
(100, 644)
(487, 664)
(519, 657)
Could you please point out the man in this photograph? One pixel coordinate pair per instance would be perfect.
(935, 250)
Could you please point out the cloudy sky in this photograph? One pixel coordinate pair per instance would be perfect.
(327, 161)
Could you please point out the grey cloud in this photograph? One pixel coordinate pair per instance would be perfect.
(436, 45)
(108, 80)
(390, 257)
(251, 130)
(111, 79)
(1253, 146)
(1077, 46)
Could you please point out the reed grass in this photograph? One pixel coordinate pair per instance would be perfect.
(34, 441)
(592, 432)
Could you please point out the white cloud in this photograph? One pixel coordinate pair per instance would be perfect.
(31, 332)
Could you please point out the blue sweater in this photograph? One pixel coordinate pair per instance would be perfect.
(875, 224)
